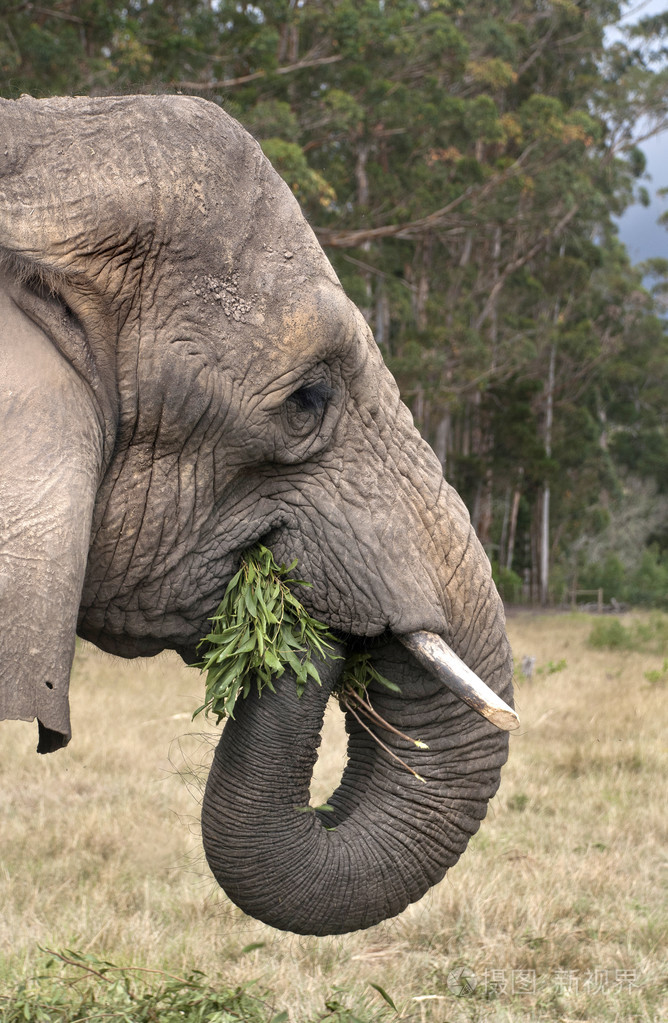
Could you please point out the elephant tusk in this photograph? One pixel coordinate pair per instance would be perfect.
(434, 654)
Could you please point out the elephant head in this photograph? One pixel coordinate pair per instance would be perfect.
(181, 376)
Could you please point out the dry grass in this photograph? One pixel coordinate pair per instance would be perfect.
(558, 907)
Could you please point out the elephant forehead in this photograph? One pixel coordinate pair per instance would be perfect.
(318, 322)
(212, 294)
(296, 320)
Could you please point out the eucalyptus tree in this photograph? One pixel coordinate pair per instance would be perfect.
(462, 165)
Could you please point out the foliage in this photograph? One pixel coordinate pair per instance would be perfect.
(658, 676)
(610, 634)
(508, 584)
(359, 673)
(608, 574)
(463, 166)
(126, 995)
(649, 582)
(260, 628)
(552, 667)
(644, 582)
(647, 636)
(105, 991)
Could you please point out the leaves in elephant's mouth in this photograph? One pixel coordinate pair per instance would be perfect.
(260, 629)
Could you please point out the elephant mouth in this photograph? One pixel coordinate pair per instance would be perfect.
(439, 659)
(433, 654)
(121, 646)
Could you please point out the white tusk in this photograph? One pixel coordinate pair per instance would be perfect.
(434, 654)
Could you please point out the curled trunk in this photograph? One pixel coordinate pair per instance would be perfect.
(390, 836)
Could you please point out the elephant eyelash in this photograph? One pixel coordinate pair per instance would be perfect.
(311, 398)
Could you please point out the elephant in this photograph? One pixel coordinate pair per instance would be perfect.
(183, 376)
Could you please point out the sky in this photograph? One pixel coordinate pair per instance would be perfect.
(638, 228)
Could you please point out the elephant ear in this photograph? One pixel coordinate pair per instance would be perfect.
(51, 441)
(77, 215)
(50, 463)
(88, 187)
(64, 185)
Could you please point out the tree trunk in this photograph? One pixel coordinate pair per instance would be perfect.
(504, 526)
(441, 441)
(421, 291)
(362, 180)
(494, 311)
(485, 511)
(545, 520)
(382, 317)
(513, 519)
(418, 408)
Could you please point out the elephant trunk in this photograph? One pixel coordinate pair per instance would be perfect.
(401, 815)
(391, 834)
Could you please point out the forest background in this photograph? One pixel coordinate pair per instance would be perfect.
(463, 166)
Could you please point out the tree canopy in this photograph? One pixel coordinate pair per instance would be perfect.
(463, 165)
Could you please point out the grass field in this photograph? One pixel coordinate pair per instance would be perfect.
(557, 911)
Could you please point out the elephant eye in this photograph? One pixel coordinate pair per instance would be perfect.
(311, 398)
(305, 408)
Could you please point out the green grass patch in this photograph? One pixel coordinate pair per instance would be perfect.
(645, 636)
(552, 667)
(75, 987)
(610, 634)
(658, 676)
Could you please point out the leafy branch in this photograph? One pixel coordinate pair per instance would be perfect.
(260, 628)
(228, 83)
(105, 991)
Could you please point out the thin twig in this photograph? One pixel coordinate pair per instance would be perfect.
(373, 714)
(73, 962)
(117, 969)
(50, 13)
(228, 83)
(379, 741)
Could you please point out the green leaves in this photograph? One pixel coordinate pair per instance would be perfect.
(260, 628)
(359, 673)
(79, 986)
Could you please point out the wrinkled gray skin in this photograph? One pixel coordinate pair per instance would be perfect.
(181, 375)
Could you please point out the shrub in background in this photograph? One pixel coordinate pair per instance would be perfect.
(508, 583)
(644, 584)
